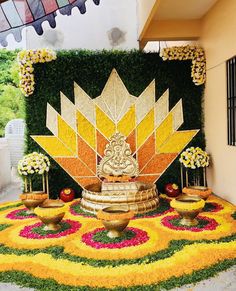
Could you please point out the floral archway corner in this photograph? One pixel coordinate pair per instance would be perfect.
(26, 60)
(189, 52)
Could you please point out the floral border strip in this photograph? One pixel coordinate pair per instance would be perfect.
(189, 52)
(26, 60)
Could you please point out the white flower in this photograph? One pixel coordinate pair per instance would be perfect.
(194, 158)
(33, 163)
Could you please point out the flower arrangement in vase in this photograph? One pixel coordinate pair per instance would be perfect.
(194, 161)
(31, 165)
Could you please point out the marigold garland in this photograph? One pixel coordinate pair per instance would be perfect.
(195, 54)
(26, 60)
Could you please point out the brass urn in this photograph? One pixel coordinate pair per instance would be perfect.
(188, 207)
(33, 199)
(115, 219)
(30, 198)
(51, 212)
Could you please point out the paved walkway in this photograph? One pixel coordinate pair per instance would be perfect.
(224, 281)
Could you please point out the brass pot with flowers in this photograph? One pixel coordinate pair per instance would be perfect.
(194, 162)
(188, 207)
(115, 219)
(32, 165)
(51, 212)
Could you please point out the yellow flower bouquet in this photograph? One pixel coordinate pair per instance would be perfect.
(194, 157)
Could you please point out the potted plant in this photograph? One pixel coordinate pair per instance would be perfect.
(194, 161)
(31, 165)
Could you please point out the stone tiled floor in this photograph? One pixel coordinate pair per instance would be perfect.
(224, 281)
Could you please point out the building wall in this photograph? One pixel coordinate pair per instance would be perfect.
(144, 9)
(87, 31)
(218, 40)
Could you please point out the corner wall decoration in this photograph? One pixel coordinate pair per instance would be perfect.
(193, 53)
(83, 129)
(26, 60)
(15, 15)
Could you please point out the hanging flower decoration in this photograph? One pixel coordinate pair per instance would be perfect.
(34, 163)
(194, 157)
(189, 52)
(26, 60)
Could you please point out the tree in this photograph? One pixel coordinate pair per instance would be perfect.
(11, 98)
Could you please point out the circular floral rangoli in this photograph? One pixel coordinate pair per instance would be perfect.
(20, 214)
(98, 238)
(154, 252)
(36, 231)
(204, 223)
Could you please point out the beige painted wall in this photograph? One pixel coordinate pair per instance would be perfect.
(144, 9)
(219, 41)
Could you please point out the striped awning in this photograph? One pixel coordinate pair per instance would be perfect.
(16, 14)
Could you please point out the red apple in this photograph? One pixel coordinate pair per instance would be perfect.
(172, 190)
(67, 194)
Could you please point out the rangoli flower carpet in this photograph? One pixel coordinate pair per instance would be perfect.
(155, 251)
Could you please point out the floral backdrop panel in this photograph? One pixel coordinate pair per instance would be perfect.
(83, 129)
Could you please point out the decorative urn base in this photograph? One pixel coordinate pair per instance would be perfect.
(51, 212)
(188, 207)
(33, 199)
(138, 197)
(115, 220)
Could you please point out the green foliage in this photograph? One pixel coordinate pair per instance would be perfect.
(201, 223)
(10, 206)
(234, 215)
(57, 252)
(101, 236)
(4, 226)
(164, 205)
(26, 280)
(11, 98)
(77, 209)
(41, 231)
(91, 70)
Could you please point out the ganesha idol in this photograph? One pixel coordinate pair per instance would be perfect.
(118, 171)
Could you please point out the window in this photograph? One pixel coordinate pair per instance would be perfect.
(231, 100)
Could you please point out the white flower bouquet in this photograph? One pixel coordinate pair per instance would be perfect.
(194, 157)
(34, 163)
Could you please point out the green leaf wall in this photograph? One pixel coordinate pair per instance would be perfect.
(90, 70)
